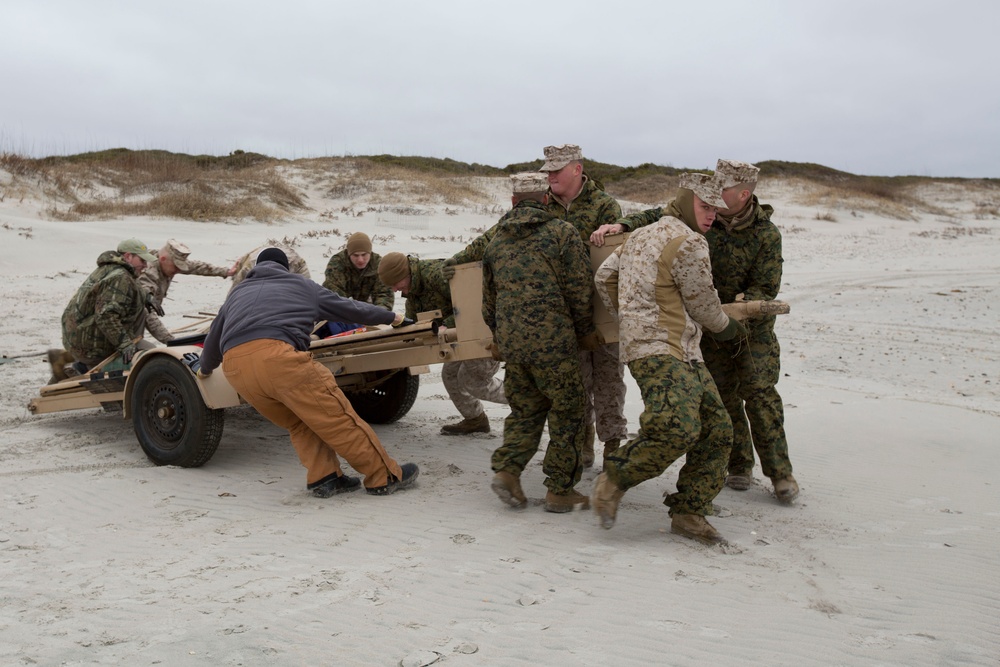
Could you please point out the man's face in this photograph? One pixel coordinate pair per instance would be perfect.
(403, 286)
(704, 214)
(360, 259)
(736, 198)
(566, 182)
(138, 263)
(167, 266)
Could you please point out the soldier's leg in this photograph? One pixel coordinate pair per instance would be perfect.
(522, 430)
(477, 378)
(468, 405)
(704, 471)
(563, 386)
(724, 363)
(609, 394)
(671, 396)
(764, 406)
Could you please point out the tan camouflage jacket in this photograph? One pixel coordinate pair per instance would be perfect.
(659, 286)
(157, 284)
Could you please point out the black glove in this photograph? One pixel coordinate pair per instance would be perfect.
(448, 268)
(733, 329)
(404, 323)
(127, 352)
(193, 361)
(152, 306)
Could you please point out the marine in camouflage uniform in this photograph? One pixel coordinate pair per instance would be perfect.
(745, 248)
(537, 301)
(468, 382)
(344, 278)
(246, 263)
(603, 372)
(158, 276)
(108, 311)
(659, 286)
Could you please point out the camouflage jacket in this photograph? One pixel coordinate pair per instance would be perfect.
(634, 221)
(659, 286)
(246, 263)
(429, 290)
(746, 259)
(344, 278)
(157, 284)
(537, 286)
(107, 312)
(474, 251)
(592, 208)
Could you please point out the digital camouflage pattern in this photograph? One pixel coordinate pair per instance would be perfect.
(107, 313)
(472, 381)
(683, 415)
(552, 392)
(537, 287)
(746, 259)
(346, 280)
(634, 221)
(156, 284)
(592, 208)
(429, 290)
(474, 251)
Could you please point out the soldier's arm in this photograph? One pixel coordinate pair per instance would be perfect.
(692, 272)
(765, 273)
(157, 329)
(474, 251)
(334, 278)
(113, 306)
(606, 281)
(199, 268)
(578, 290)
(383, 295)
(489, 298)
(634, 221)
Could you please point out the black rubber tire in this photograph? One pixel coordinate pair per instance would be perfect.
(172, 422)
(387, 402)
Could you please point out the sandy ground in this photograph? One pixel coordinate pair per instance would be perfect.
(891, 379)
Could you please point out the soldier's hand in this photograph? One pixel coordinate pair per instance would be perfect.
(733, 329)
(127, 352)
(494, 351)
(597, 238)
(448, 268)
(193, 361)
(591, 342)
(203, 374)
(402, 321)
(152, 306)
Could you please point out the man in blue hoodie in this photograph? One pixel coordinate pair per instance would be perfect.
(261, 339)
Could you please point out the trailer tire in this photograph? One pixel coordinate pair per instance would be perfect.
(172, 422)
(389, 401)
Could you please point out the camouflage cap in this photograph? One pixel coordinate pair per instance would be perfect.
(528, 182)
(734, 172)
(358, 242)
(178, 254)
(393, 268)
(707, 187)
(557, 157)
(136, 247)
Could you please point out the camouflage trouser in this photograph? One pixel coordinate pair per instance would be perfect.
(468, 382)
(746, 374)
(683, 415)
(604, 383)
(553, 391)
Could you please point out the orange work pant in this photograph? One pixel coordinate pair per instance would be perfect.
(299, 394)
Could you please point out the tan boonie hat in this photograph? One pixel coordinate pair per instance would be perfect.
(358, 242)
(557, 157)
(708, 189)
(178, 254)
(528, 182)
(734, 172)
(393, 268)
(136, 247)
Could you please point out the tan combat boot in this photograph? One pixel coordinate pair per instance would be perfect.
(785, 488)
(605, 499)
(739, 481)
(587, 457)
(560, 503)
(695, 527)
(59, 360)
(480, 424)
(508, 488)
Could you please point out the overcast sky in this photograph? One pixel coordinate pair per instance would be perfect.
(870, 87)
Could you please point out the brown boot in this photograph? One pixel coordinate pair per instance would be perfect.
(59, 360)
(605, 498)
(739, 481)
(610, 447)
(696, 528)
(785, 488)
(588, 447)
(508, 488)
(480, 424)
(561, 503)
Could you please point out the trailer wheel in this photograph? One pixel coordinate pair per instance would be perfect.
(172, 422)
(388, 401)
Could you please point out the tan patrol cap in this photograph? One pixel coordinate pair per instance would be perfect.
(557, 157)
(734, 172)
(528, 182)
(707, 187)
(178, 253)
